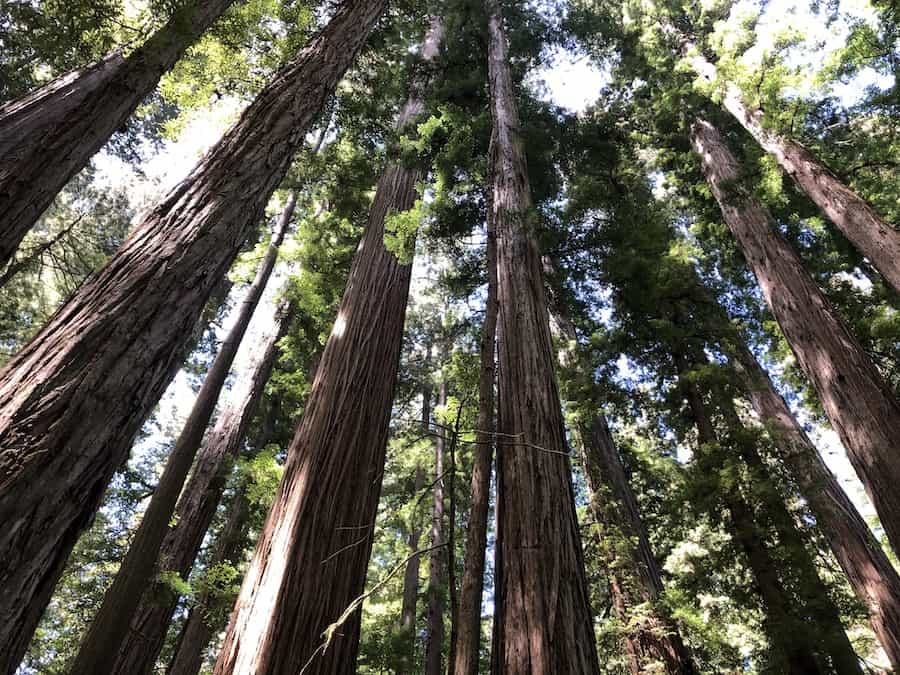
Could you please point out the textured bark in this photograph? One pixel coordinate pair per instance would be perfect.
(869, 571)
(874, 237)
(310, 563)
(782, 624)
(468, 617)
(543, 607)
(72, 400)
(860, 405)
(411, 573)
(196, 509)
(437, 571)
(49, 135)
(652, 642)
(197, 632)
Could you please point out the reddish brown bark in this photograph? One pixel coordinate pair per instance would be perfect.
(49, 135)
(860, 405)
(542, 604)
(871, 575)
(72, 400)
(437, 572)
(310, 563)
(468, 617)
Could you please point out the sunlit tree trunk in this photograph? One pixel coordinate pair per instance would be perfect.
(860, 405)
(869, 571)
(72, 400)
(49, 135)
(543, 607)
(310, 563)
(437, 573)
(468, 618)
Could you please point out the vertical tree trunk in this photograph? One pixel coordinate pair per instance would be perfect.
(869, 571)
(51, 134)
(411, 573)
(437, 573)
(318, 534)
(543, 608)
(874, 237)
(197, 508)
(72, 400)
(468, 618)
(785, 630)
(197, 631)
(652, 642)
(861, 407)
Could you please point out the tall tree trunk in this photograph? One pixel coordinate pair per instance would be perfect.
(652, 641)
(862, 408)
(107, 634)
(784, 628)
(197, 631)
(72, 400)
(468, 617)
(874, 237)
(197, 508)
(869, 571)
(49, 135)
(407, 620)
(543, 608)
(318, 534)
(437, 572)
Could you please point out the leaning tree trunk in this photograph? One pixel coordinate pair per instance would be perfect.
(73, 399)
(310, 564)
(874, 237)
(869, 571)
(468, 617)
(49, 135)
(197, 508)
(862, 408)
(197, 631)
(437, 574)
(106, 636)
(652, 642)
(543, 607)
(783, 627)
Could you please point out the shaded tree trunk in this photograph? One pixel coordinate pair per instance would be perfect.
(652, 640)
(871, 575)
(543, 607)
(107, 634)
(874, 237)
(49, 135)
(411, 573)
(318, 534)
(197, 508)
(73, 399)
(862, 408)
(437, 572)
(198, 630)
(468, 617)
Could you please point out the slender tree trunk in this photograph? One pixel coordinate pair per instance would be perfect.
(786, 632)
(108, 632)
(411, 573)
(437, 572)
(16, 266)
(874, 237)
(544, 614)
(197, 508)
(197, 631)
(318, 534)
(869, 571)
(468, 618)
(652, 642)
(49, 135)
(862, 408)
(72, 400)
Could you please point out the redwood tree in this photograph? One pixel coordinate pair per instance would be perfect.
(437, 573)
(72, 400)
(51, 134)
(542, 604)
(861, 407)
(310, 563)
